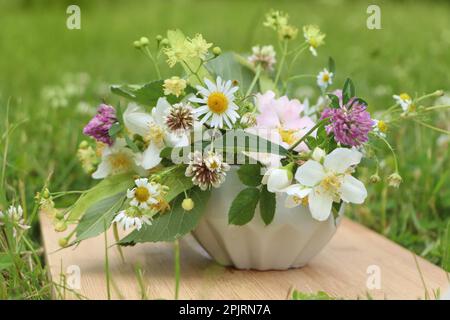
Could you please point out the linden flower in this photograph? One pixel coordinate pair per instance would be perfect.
(116, 159)
(131, 217)
(329, 182)
(217, 103)
(198, 47)
(404, 100)
(155, 131)
(276, 19)
(263, 56)
(324, 79)
(145, 194)
(174, 86)
(313, 37)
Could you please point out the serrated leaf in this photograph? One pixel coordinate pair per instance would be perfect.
(250, 174)
(173, 224)
(267, 205)
(243, 207)
(147, 94)
(104, 189)
(99, 216)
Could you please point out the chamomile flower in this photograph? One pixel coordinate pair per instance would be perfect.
(132, 217)
(404, 100)
(324, 79)
(380, 127)
(313, 37)
(217, 103)
(145, 194)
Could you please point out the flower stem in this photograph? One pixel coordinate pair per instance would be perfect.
(255, 79)
(391, 149)
(318, 124)
(155, 64)
(192, 72)
(176, 245)
(283, 59)
(437, 107)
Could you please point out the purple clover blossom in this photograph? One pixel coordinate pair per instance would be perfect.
(350, 124)
(98, 127)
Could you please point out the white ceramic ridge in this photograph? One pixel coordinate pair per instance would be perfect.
(290, 241)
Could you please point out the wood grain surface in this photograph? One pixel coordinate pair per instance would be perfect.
(342, 270)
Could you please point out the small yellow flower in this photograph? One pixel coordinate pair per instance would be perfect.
(175, 86)
(313, 37)
(382, 126)
(198, 47)
(276, 19)
(287, 32)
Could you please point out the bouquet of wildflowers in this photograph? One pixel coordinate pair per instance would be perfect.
(159, 156)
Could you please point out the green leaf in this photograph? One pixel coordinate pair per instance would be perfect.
(348, 91)
(106, 188)
(267, 205)
(331, 65)
(99, 216)
(334, 101)
(238, 141)
(115, 129)
(243, 206)
(228, 67)
(250, 174)
(147, 94)
(174, 177)
(320, 295)
(174, 224)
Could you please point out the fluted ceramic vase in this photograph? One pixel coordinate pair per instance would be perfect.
(290, 241)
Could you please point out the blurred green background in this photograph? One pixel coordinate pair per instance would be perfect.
(41, 60)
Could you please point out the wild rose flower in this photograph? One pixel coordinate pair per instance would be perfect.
(350, 123)
(98, 127)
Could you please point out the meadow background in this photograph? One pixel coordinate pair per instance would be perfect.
(40, 59)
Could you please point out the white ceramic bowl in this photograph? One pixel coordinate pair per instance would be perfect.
(290, 241)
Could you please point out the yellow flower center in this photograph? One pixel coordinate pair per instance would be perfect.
(405, 96)
(288, 136)
(156, 135)
(303, 201)
(313, 42)
(326, 77)
(141, 194)
(217, 102)
(120, 162)
(382, 126)
(331, 183)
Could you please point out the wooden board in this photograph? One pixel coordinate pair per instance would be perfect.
(341, 270)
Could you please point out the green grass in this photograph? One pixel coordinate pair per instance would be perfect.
(409, 53)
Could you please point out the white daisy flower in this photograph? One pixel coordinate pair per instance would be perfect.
(131, 217)
(404, 100)
(324, 79)
(380, 127)
(145, 194)
(217, 104)
(329, 182)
